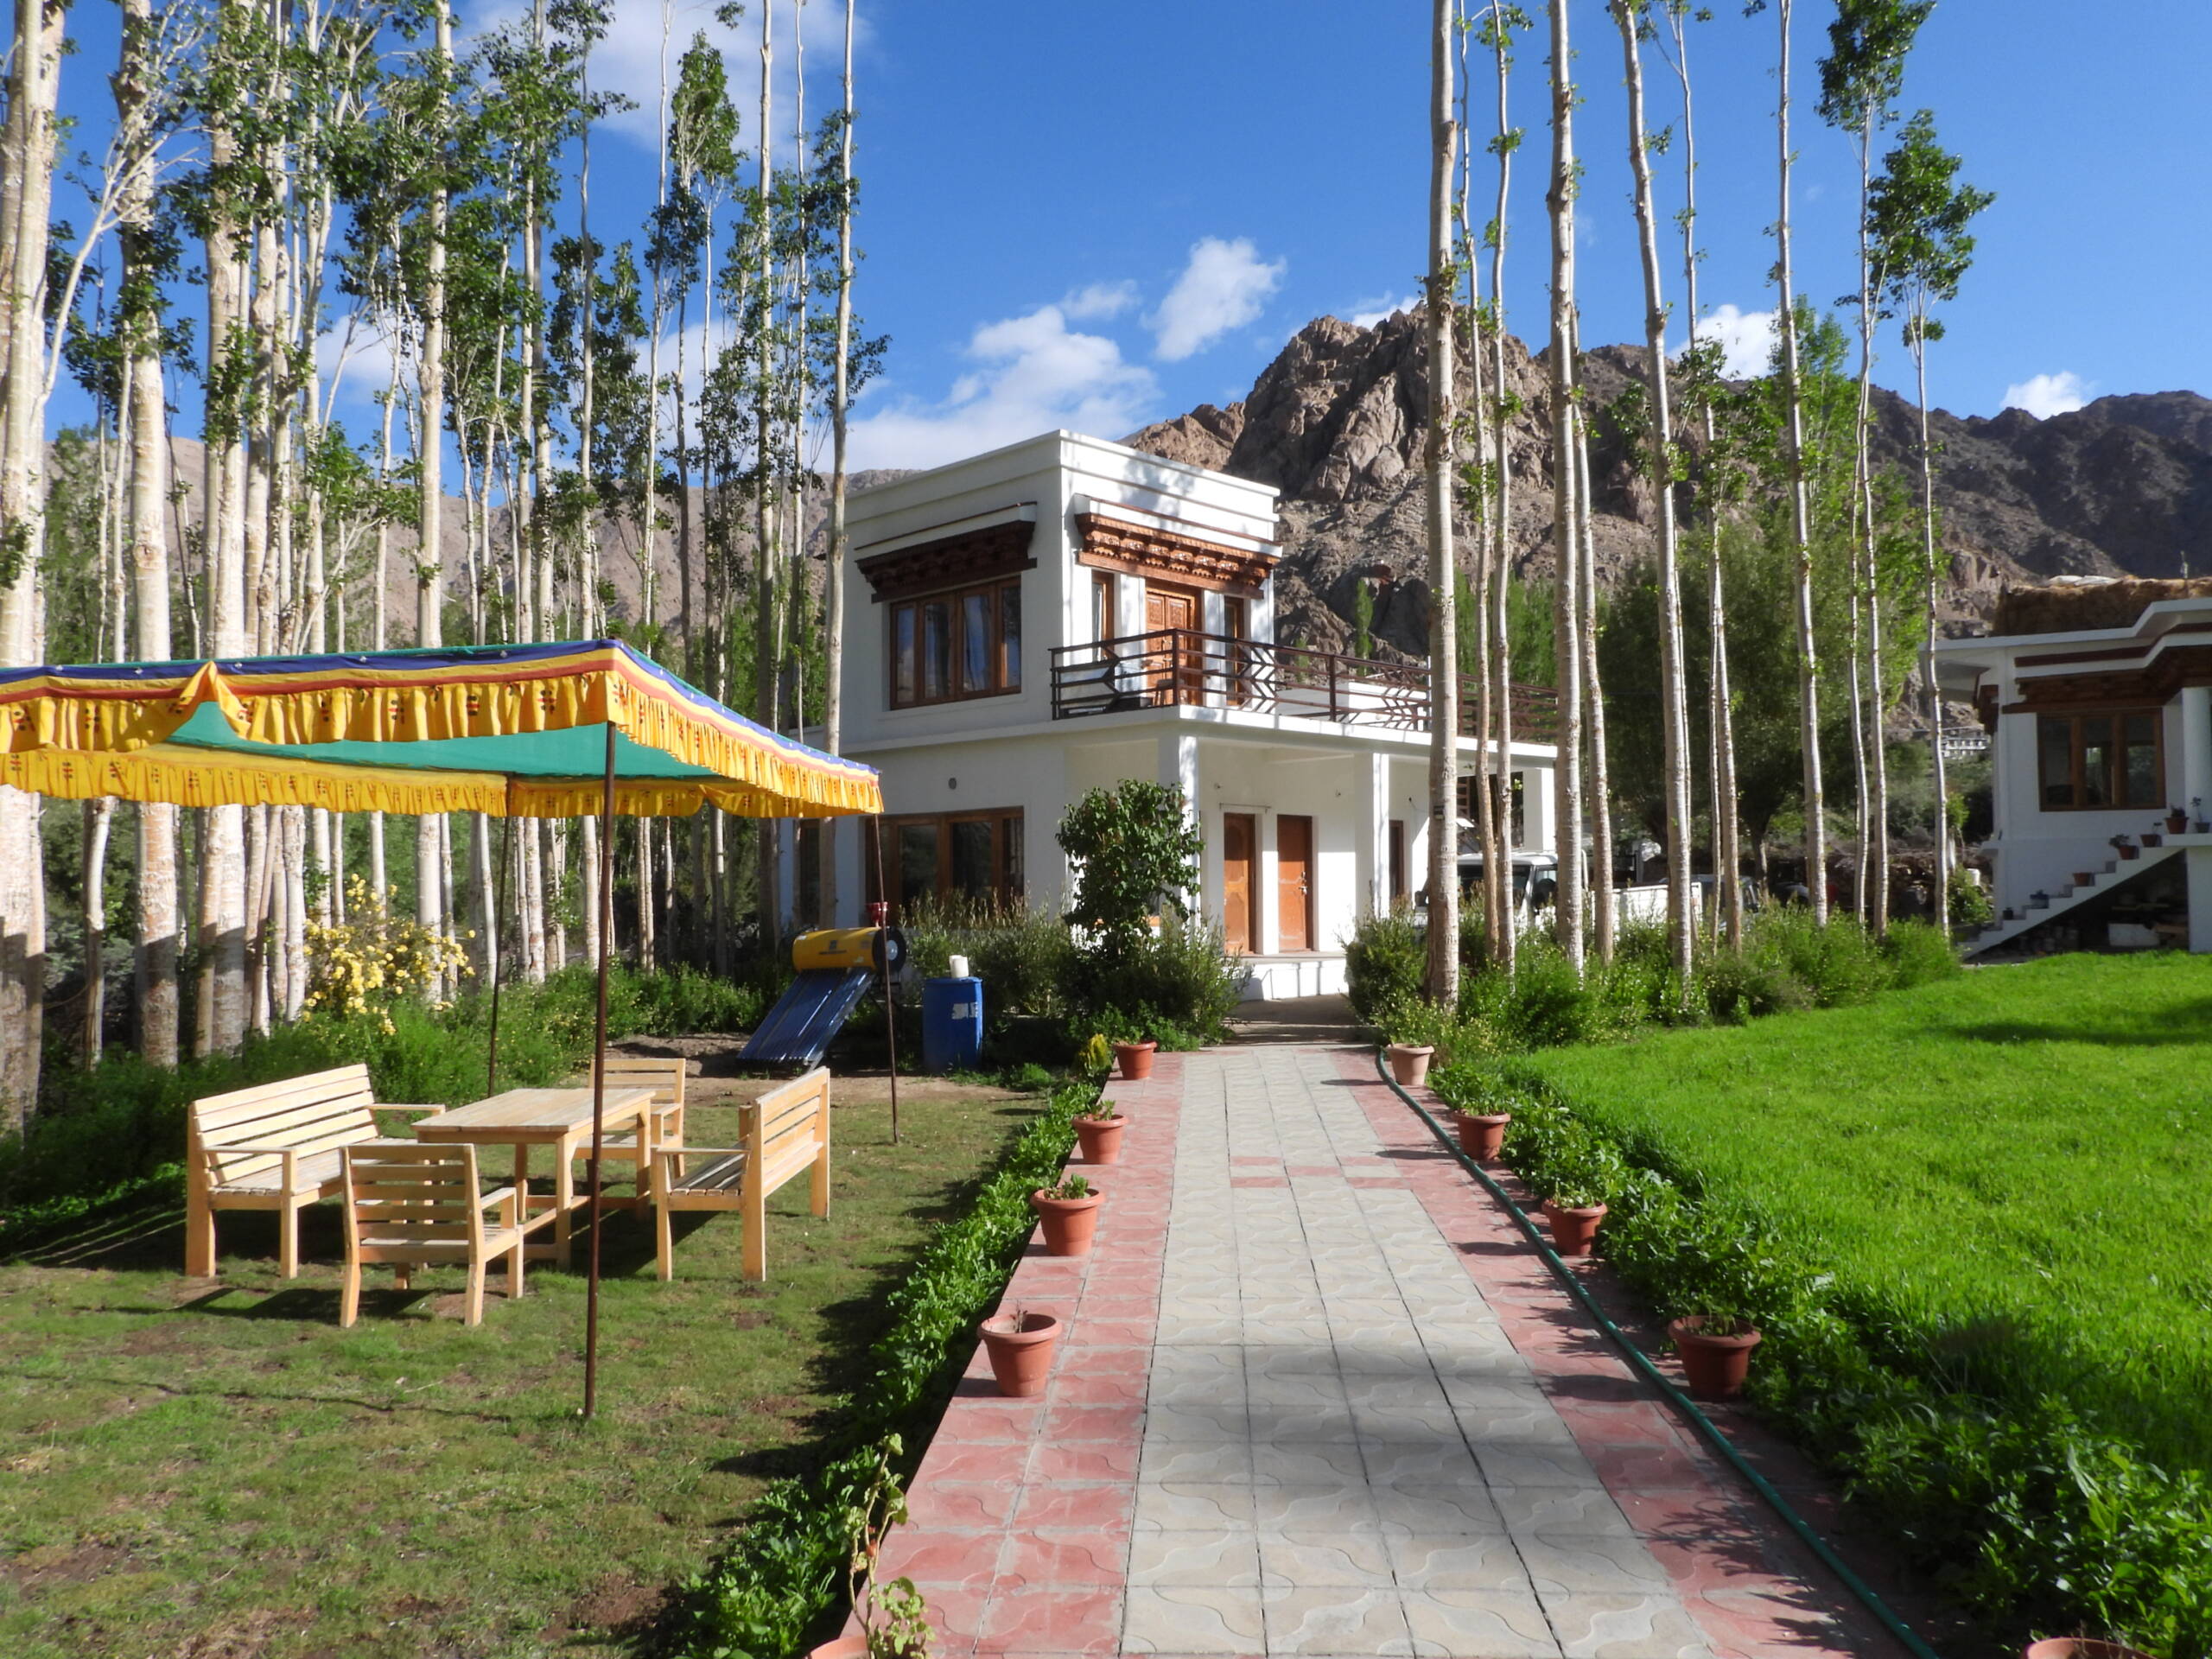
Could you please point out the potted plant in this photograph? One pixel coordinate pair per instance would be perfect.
(1098, 1128)
(2154, 838)
(2085, 878)
(2124, 845)
(1716, 1348)
(1409, 1063)
(2079, 1647)
(2196, 810)
(2177, 821)
(1574, 1212)
(1069, 1214)
(1135, 1059)
(1020, 1346)
(1482, 1134)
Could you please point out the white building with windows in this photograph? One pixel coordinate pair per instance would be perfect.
(1065, 613)
(2097, 696)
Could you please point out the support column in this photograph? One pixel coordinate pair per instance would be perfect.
(1178, 769)
(2196, 750)
(2200, 900)
(1370, 796)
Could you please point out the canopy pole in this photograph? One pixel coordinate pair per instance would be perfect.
(599, 1076)
(498, 915)
(880, 910)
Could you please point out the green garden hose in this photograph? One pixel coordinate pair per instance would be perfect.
(1684, 1406)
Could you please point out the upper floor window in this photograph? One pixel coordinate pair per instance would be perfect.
(2100, 762)
(966, 643)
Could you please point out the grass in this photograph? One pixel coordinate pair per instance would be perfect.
(203, 1472)
(2014, 1160)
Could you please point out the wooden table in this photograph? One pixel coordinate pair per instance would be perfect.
(559, 1118)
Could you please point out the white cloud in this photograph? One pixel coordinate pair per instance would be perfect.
(2045, 395)
(628, 60)
(1222, 287)
(1034, 375)
(1098, 301)
(359, 357)
(1366, 313)
(1745, 338)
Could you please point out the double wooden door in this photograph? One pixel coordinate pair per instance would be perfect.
(1178, 665)
(1240, 919)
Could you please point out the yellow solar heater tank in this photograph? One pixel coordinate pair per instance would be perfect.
(845, 948)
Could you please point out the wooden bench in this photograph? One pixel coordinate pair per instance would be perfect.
(664, 1116)
(273, 1146)
(414, 1204)
(785, 1131)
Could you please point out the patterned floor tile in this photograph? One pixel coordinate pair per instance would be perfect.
(1192, 1619)
(1344, 1619)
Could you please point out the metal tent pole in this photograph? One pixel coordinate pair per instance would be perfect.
(599, 1075)
(498, 915)
(882, 912)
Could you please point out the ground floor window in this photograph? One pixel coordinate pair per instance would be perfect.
(948, 857)
(2100, 761)
(1401, 889)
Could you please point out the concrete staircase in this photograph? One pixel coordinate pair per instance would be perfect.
(2116, 872)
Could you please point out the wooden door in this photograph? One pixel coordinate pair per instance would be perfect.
(1239, 837)
(1295, 882)
(1177, 669)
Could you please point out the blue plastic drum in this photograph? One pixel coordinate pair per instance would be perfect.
(952, 1024)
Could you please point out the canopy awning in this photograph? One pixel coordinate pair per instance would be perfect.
(511, 730)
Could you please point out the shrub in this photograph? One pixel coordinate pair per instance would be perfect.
(1917, 952)
(1968, 903)
(1177, 989)
(1023, 956)
(1136, 855)
(1415, 1020)
(1385, 960)
(1839, 964)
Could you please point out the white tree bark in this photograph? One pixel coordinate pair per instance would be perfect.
(1566, 528)
(1443, 571)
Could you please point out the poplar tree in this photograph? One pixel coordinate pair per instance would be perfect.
(1566, 415)
(1859, 81)
(1443, 572)
(1918, 212)
(833, 702)
(1631, 18)
(1786, 329)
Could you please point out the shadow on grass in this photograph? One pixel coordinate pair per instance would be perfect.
(2189, 1023)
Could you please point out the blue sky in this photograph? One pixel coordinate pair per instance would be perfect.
(1098, 216)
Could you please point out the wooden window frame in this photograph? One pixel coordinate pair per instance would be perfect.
(2116, 779)
(1001, 668)
(1010, 875)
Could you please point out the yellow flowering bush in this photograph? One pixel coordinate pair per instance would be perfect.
(373, 957)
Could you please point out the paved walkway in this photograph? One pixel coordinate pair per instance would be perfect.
(1318, 1398)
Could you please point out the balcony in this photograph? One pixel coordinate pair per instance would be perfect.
(1180, 668)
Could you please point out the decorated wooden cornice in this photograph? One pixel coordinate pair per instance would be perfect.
(2120, 688)
(1134, 549)
(966, 556)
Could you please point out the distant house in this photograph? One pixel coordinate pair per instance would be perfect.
(1066, 612)
(2098, 698)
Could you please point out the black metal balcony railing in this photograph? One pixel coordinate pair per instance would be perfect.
(1179, 667)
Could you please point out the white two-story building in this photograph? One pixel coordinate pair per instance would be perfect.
(1065, 612)
(2098, 699)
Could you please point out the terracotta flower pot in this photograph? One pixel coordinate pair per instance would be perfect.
(2084, 878)
(1482, 1134)
(1409, 1063)
(1020, 1349)
(2152, 838)
(845, 1647)
(2175, 823)
(1101, 1138)
(1714, 1365)
(1069, 1224)
(2079, 1647)
(1574, 1228)
(1135, 1059)
(2127, 852)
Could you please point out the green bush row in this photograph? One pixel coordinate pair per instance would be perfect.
(102, 1131)
(2031, 1514)
(1788, 962)
(786, 1567)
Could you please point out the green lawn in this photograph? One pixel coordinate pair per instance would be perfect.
(2014, 1160)
(194, 1472)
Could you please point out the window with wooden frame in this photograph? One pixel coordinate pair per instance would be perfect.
(2100, 763)
(960, 644)
(967, 858)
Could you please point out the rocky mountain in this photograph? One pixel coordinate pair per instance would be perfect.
(2120, 487)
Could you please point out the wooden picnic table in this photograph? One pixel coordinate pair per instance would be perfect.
(559, 1118)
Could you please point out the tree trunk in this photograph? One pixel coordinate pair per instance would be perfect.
(1507, 944)
(1941, 896)
(1808, 668)
(833, 702)
(1674, 678)
(1566, 531)
(1443, 571)
(1598, 792)
(764, 555)
(430, 876)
